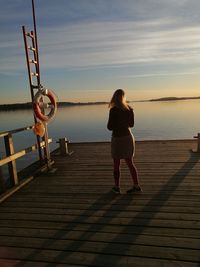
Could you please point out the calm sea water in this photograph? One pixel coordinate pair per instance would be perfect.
(153, 120)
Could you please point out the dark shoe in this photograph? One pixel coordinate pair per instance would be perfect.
(116, 190)
(135, 188)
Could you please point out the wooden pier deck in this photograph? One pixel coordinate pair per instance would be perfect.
(71, 218)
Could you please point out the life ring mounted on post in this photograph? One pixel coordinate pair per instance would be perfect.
(39, 106)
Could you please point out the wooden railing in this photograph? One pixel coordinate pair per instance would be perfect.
(12, 156)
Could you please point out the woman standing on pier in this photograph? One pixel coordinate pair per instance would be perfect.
(121, 119)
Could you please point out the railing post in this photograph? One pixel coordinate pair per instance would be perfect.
(2, 184)
(12, 168)
(63, 145)
(198, 142)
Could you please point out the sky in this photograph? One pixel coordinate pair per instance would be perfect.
(89, 48)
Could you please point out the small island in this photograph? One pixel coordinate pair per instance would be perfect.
(172, 98)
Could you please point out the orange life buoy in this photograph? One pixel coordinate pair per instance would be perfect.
(37, 105)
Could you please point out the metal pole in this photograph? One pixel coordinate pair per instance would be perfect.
(45, 138)
(36, 42)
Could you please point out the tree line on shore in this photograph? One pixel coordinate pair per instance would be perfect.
(28, 105)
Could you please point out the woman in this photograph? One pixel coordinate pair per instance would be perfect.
(121, 119)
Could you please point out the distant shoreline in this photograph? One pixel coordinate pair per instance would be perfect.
(28, 105)
(174, 98)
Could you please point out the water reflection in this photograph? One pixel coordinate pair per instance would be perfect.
(167, 120)
(81, 123)
(153, 120)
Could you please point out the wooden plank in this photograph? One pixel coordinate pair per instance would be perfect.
(142, 239)
(100, 213)
(97, 195)
(88, 259)
(134, 204)
(78, 208)
(27, 263)
(98, 227)
(116, 247)
(142, 220)
(100, 190)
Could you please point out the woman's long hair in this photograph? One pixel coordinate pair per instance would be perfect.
(119, 100)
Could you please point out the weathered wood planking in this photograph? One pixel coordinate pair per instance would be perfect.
(71, 218)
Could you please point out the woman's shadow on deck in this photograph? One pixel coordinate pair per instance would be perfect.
(173, 182)
(102, 221)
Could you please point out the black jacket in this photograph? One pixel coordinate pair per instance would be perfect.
(120, 121)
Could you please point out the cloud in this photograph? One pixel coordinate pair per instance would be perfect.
(98, 44)
(111, 43)
(169, 73)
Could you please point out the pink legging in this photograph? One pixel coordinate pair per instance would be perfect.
(132, 169)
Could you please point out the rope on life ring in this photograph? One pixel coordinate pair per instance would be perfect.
(37, 105)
